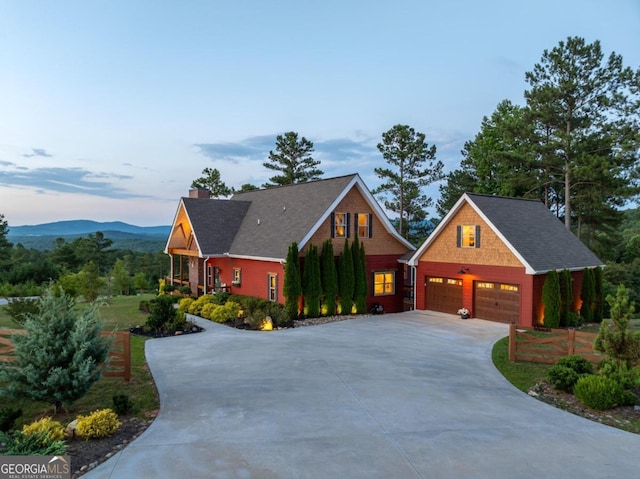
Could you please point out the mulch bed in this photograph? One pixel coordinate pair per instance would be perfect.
(85, 455)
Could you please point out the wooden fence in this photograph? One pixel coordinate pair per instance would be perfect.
(529, 344)
(119, 364)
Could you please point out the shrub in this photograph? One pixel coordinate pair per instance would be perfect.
(185, 304)
(52, 429)
(144, 306)
(207, 310)
(223, 314)
(598, 392)
(221, 297)
(184, 290)
(100, 423)
(122, 405)
(579, 364)
(168, 288)
(551, 300)
(38, 443)
(8, 416)
(562, 377)
(627, 377)
(21, 308)
(163, 314)
(196, 307)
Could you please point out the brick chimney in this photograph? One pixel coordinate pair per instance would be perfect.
(199, 193)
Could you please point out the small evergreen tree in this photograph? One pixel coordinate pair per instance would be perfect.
(345, 279)
(598, 304)
(312, 288)
(566, 296)
(359, 277)
(329, 278)
(91, 282)
(587, 295)
(615, 339)
(551, 300)
(59, 358)
(292, 288)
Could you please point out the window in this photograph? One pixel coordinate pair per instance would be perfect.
(468, 236)
(485, 285)
(340, 225)
(509, 287)
(237, 276)
(272, 287)
(363, 223)
(384, 283)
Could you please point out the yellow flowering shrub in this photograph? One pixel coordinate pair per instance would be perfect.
(53, 429)
(100, 423)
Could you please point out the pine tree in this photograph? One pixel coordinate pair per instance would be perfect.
(311, 284)
(345, 279)
(329, 278)
(293, 159)
(292, 288)
(60, 356)
(587, 295)
(566, 297)
(551, 300)
(359, 277)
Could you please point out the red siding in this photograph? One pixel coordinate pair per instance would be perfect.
(377, 263)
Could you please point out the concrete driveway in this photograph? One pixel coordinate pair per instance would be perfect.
(409, 395)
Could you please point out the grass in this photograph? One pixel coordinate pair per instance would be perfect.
(521, 374)
(119, 313)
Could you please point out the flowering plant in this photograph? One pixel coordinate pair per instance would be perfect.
(463, 312)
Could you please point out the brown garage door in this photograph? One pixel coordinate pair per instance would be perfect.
(496, 301)
(443, 294)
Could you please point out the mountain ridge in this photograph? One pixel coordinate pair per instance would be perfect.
(83, 227)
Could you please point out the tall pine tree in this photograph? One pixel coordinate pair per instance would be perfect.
(293, 160)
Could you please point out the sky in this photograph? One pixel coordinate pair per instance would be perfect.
(110, 109)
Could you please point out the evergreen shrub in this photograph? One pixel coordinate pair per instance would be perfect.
(100, 423)
(598, 392)
(47, 426)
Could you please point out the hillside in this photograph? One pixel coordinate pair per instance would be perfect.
(124, 236)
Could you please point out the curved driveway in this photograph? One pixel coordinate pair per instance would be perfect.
(408, 395)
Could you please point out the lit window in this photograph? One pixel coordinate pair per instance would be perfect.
(237, 276)
(272, 287)
(455, 282)
(485, 285)
(468, 236)
(363, 225)
(436, 280)
(340, 225)
(509, 287)
(384, 283)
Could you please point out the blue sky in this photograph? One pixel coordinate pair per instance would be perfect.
(110, 109)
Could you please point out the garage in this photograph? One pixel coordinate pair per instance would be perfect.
(496, 301)
(443, 294)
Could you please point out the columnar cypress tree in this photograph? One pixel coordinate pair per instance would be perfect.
(551, 300)
(359, 277)
(345, 279)
(311, 286)
(59, 358)
(566, 296)
(329, 278)
(587, 295)
(292, 288)
(598, 306)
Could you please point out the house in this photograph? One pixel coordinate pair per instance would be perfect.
(491, 255)
(241, 244)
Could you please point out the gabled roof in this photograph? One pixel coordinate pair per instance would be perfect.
(214, 222)
(533, 234)
(263, 223)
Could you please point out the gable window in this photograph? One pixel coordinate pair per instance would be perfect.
(363, 223)
(272, 287)
(468, 236)
(384, 283)
(340, 225)
(237, 276)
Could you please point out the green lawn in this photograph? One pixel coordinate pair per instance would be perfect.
(522, 375)
(118, 314)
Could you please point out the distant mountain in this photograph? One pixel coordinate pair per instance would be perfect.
(83, 227)
(124, 236)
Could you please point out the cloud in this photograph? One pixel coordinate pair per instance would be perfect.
(254, 147)
(68, 180)
(37, 152)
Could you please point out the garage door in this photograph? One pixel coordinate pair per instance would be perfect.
(496, 301)
(443, 294)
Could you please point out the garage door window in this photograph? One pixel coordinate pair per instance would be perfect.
(384, 283)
